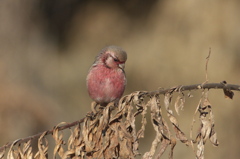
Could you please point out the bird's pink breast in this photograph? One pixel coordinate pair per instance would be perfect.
(105, 84)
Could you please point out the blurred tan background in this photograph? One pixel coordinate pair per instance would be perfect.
(47, 47)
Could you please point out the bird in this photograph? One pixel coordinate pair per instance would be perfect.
(106, 79)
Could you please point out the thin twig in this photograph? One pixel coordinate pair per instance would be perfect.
(206, 68)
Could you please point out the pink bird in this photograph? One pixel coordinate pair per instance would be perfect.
(106, 79)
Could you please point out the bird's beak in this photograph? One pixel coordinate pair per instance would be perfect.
(121, 65)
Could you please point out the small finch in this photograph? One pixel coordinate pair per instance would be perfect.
(106, 79)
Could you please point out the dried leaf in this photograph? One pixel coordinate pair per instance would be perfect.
(10, 154)
(164, 144)
(173, 144)
(42, 148)
(179, 133)
(207, 126)
(26, 151)
(213, 137)
(58, 149)
(143, 111)
(228, 93)
(179, 103)
(2, 154)
(189, 95)
(200, 150)
(156, 119)
(68, 153)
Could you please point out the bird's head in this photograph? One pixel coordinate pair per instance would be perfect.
(113, 57)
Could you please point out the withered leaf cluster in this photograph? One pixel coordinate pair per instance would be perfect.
(206, 130)
(112, 131)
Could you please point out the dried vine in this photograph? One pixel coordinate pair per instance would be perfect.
(110, 132)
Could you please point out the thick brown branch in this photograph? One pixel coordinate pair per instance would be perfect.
(221, 85)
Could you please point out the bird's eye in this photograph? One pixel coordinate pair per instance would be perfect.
(115, 59)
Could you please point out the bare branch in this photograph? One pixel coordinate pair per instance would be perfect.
(221, 85)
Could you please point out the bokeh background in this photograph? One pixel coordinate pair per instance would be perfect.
(47, 47)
